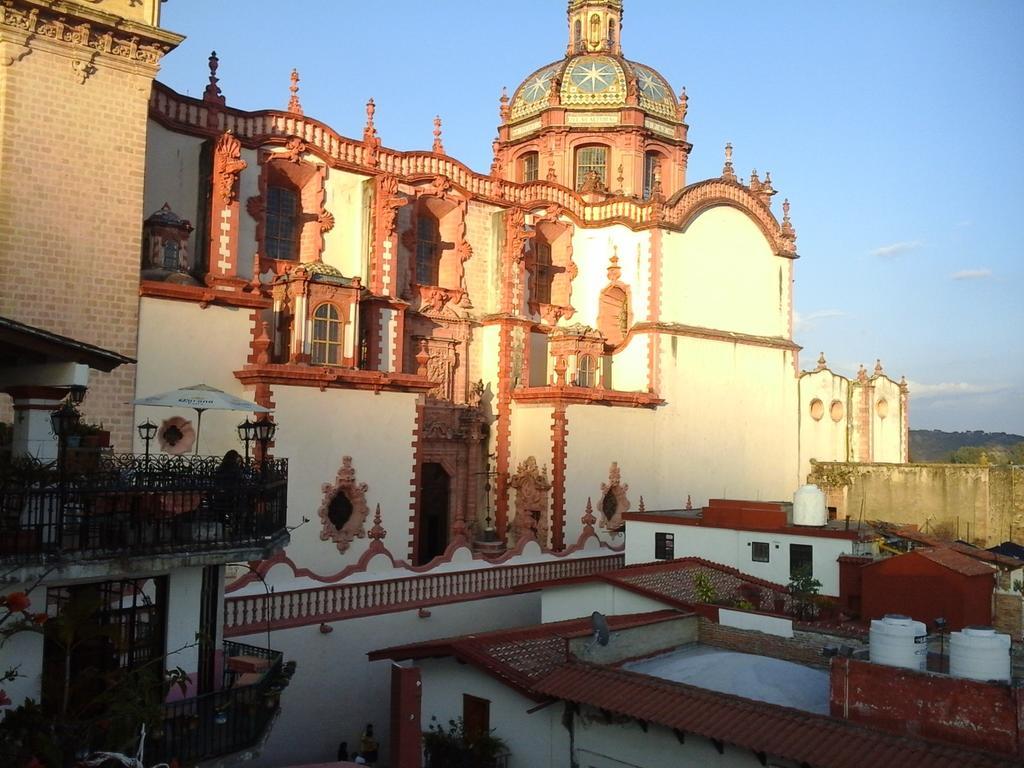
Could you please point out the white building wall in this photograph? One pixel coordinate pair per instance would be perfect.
(592, 252)
(181, 344)
(248, 186)
(534, 740)
(172, 174)
(721, 273)
(887, 421)
(316, 430)
(579, 601)
(184, 591)
(824, 434)
(733, 548)
(345, 198)
(335, 692)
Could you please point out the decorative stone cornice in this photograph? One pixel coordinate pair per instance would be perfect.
(84, 33)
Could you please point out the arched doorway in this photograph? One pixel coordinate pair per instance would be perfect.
(435, 496)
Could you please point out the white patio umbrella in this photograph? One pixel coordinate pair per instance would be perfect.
(201, 397)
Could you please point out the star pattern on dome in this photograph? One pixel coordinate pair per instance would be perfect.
(538, 87)
(650, 85)
(593, 77)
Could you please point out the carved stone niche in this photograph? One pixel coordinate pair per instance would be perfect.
(165, 251)
(436, 247)
(343, 511)
(614, 502)
(533, 496)
(582, 348)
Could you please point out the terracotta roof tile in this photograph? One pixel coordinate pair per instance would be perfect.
(955, 561)
(816, 740)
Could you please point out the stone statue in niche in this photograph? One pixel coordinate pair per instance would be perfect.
(532, 499)
(343, 511)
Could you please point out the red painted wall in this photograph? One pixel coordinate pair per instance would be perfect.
(964, 712)
(406, 697)
(850, 582)
(920, 588)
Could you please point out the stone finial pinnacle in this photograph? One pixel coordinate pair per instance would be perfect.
(641, 507)
(293, 102)
(377, 532)
(504, 110)
(438, 146)
(370, 130)
(684, 105)
(588, 515)
(728, 173)
(878, 367)
(689, 502)
(822, 364)
(213, 94)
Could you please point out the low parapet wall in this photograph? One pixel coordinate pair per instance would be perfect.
(973, 502)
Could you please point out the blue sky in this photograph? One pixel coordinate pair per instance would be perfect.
(892, 127)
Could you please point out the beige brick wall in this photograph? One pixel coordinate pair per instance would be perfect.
(71, 180)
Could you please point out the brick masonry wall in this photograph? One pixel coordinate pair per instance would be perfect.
(1008, 614)
(72, 157)
(802, 648)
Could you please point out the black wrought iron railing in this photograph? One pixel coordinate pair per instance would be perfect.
(225, 721)
(128, 504)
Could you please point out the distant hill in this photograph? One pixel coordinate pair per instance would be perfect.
(935, 445)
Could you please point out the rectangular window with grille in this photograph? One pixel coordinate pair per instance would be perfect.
(543, 273)
(428, 249)
(664, 546)
(759, 552)
(279, 240)
(591, 159)
(531, 166)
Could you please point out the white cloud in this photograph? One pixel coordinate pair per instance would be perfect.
(952, 389)
(806, 322)
(897, 249)
(972, 274)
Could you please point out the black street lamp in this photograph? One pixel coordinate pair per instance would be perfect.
(247, 433)
(264, 430)
(147, 431)
(76, 393)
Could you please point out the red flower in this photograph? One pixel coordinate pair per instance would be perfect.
(17, 602)
(5, 700)
(40, 618)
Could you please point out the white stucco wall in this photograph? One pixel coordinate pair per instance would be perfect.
(592, 252)
(533, 740)
(336, 691)
(345, 245)
(732, 548)
(181, 344)
(721, 273)
(578, 601)
(172, 174)
(316, 430)
(887, 429)
(824, 438)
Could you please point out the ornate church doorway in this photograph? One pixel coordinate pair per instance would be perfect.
(435, 495)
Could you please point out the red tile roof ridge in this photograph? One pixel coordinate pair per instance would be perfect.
(690, 561)
(984, 554)
(777, 730)
(955, 561)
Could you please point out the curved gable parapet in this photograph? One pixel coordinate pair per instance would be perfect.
(688, 203)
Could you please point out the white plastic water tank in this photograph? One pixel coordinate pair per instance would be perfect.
(979, 653)
(899, 641)
(809, 506)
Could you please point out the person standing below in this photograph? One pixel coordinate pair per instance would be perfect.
(368, 745)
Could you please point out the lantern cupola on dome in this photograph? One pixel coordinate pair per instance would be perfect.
(626, 111)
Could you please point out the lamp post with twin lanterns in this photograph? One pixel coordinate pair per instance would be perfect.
(147, 431)
(264, 430)
(247, 433)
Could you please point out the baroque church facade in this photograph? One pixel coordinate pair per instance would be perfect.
(459, 362)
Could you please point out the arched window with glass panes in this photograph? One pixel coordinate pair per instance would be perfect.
(591, 158)
(326, 344)
(652, 169)
(586, 371)
(529, 167)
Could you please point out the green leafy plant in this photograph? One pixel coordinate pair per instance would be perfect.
(453, 747)
(804, 589)
(704, 588)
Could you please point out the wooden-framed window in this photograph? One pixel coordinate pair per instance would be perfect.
(281, 239)
(529, 167)
(586, 371)
(592, 158)
(428, 248)
(326, 344)
(664, 546)
(543, 270)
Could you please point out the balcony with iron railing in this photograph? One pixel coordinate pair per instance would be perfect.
(226, 721)
(186, 508)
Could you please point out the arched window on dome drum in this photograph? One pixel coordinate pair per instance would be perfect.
(428, 248)
(543, 270)
(652, 166)
(586, 371)
(281, 238)
(611, 34)
(529, 167)
(591, 158)
(326, 345)
(577, 37)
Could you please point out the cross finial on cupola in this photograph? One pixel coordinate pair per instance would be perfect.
(438, 147)
(293, 103)
(595, 26)
(212, 94)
